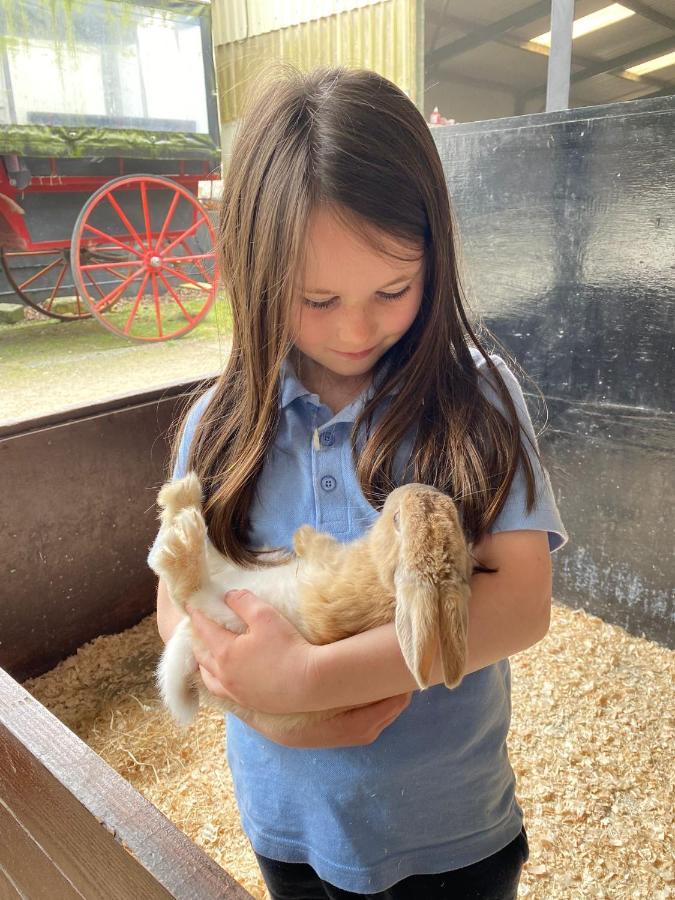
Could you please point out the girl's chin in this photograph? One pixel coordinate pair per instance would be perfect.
(345, 366)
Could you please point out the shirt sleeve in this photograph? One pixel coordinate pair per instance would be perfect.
(544, 516)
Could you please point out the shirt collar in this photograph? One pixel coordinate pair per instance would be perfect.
(291, 386)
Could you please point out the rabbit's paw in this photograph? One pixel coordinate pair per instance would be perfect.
(308, 543)
(303, 538)
(177, 495)
(180, 556)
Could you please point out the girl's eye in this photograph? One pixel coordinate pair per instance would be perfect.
(314, 304)
(396, 296)
(328, 304)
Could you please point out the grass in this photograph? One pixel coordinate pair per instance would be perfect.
(48, 365)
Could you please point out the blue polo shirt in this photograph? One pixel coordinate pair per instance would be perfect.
(435, 791)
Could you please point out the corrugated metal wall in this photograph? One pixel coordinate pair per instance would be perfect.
(249, 34)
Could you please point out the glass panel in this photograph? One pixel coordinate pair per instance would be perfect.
(101, 63)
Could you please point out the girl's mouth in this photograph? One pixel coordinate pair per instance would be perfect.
(361, 355)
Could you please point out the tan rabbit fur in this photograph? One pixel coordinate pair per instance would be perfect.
(412, 567)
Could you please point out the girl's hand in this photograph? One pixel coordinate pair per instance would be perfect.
(352, 728)
(268, 668)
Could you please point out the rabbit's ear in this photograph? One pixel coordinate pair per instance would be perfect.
(454, 621)
(417, 602)
(427, 613)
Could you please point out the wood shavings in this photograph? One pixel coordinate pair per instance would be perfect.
(591, 745)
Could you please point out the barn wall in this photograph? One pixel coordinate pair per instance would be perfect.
(385, 36)
(568, 233)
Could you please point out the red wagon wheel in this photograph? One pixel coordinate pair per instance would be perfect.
(47, 276)
(158, 276)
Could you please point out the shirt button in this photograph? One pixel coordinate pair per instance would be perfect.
(327, 438)
(328, 483)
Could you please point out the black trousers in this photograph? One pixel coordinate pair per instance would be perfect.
(494, 878)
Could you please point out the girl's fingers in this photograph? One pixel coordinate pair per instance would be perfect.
(244, 603)
(352, 728)
(211, 682)
(363, 725)
(212, 634)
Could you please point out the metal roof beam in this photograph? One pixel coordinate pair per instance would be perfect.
(645, 10)
(485, 83)
(488, 33)
(607, 66)
(508, 40)
(667, 91)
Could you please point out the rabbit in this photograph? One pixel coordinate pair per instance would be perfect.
(412, 567)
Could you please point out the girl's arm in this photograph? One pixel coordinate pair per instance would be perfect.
(508, 612)
(273, 669)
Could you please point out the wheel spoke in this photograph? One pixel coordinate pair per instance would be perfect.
(109, 265)
(188, 257)
(56, 286)
(176, 298)
(185, 277)
(169, 216)
(146, 213)
(193, 258)
(136, 302)
(184, 235)
(42, 272)
(120, 212)
(95, 284)
(158, 314)
(109, 237)
(114, 294)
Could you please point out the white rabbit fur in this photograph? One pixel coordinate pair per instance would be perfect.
(413, 567)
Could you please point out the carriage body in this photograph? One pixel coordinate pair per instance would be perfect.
(108, 129)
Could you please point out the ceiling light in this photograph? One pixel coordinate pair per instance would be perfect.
(600, 19)
(659, 62)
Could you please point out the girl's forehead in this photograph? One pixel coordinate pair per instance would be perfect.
(332, 244)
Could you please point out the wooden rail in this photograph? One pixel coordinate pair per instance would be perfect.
(71, 827)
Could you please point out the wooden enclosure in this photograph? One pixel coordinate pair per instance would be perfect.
(568, 236)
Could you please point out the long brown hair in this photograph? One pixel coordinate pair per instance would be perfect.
(351, 139)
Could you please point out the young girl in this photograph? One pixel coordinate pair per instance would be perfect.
(354, 368)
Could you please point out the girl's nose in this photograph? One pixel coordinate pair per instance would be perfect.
(355, 330)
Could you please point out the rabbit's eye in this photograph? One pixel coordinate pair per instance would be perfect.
(397, 519)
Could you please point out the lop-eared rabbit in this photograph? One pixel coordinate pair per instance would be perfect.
(412, 567)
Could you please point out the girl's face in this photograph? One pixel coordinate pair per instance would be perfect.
(353, 303)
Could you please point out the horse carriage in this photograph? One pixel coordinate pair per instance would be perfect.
(108, 136)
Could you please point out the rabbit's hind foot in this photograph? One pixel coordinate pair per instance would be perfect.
(177, 495)
(181, 555)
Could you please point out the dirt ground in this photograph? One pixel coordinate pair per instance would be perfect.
(47, 365)
(591, 744)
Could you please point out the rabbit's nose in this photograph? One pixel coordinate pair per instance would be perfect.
(397, 520)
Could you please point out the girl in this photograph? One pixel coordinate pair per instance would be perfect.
(354, 368)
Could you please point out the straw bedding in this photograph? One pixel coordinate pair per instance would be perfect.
(591, 745)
